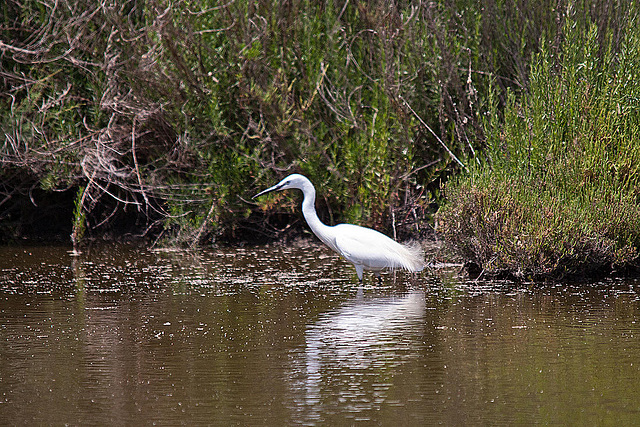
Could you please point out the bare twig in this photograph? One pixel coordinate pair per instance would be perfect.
(426, 126)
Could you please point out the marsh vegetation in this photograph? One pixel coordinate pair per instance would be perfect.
(159, 119)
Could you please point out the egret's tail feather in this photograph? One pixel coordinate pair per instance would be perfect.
(413, 256)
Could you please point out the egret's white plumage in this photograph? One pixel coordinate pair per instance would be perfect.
(365, 248)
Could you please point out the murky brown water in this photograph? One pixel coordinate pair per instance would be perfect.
(273, 336)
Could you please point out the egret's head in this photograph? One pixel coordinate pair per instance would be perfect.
(292, 181)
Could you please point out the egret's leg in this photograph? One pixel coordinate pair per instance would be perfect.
(359, 271)
(377, 273)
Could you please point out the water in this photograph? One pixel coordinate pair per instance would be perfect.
(273, 336)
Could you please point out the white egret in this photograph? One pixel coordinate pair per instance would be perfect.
(365, 248)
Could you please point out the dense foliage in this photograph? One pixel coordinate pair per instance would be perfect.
(162, 118)
(167, 116)
(559, 193)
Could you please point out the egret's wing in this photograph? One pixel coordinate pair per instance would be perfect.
(374, 250)
(355, 250)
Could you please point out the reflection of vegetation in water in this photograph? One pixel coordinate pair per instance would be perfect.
(310, 351)
(559, 191)
(542, 346)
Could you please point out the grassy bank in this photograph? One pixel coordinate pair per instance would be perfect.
(559, 192)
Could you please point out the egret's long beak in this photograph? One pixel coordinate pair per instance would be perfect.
(268, 190)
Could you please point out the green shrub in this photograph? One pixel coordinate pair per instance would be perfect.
(559, 192)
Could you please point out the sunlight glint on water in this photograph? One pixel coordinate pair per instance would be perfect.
(275, 335)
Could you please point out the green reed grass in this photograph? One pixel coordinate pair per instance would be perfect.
(559, 193)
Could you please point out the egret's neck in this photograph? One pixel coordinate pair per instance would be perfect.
(309, 211)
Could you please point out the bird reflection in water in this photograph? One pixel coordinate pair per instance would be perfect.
(352, 353)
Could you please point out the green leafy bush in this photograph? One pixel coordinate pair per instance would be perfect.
(559, 193)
